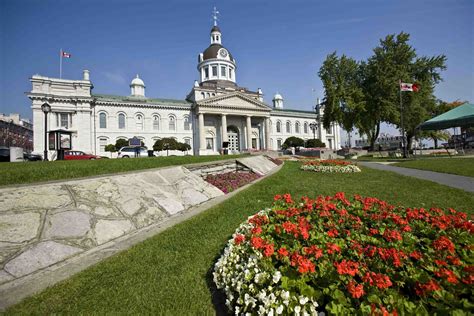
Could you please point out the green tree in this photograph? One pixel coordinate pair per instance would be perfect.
(344, 99)
(165, 144)
(293, 141)
(110, 148)
(120, 143)
(314, 143)
(184, 147)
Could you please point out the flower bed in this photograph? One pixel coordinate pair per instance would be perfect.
(346, 257)
(228, 182)
(275, 160)
(332, 166)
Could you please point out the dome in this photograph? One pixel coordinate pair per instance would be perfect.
(216, 29)
(213, 50)
(277, 96)
(137, 82)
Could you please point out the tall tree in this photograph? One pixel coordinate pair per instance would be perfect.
(344, 98)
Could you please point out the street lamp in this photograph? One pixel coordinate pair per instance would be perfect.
(313, 128)
(46, 108)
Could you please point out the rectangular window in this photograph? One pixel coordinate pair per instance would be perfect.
(279, 143)
(223, 71)
(102, 144)
(64, 120)
(230, 73)
(206, 73)
(214, 71)
(187, 141)
(210, 143)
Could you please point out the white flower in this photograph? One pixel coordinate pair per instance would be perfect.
(285, 295)
(279, 309)
(303, 300)
(297, 310)
(276, 277)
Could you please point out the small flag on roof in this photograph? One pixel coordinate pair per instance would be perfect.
(415, 87)
(66, 55)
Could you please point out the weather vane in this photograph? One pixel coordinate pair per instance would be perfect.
(214, 16)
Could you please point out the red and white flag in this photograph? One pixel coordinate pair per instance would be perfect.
(65, 55)
(409, 87)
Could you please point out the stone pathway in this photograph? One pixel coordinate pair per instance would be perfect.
(451, 180)
(61, 228)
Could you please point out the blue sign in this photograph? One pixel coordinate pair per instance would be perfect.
(134, 141)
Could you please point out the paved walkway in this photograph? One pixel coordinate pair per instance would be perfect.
(451, 180)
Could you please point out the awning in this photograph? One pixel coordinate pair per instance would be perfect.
(461, 116)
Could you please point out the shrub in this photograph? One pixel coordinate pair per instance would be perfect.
(165, 144)
(314, 143)
(293, 142)
(120, 143)
(347, 257)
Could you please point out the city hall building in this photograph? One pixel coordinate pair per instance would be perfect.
(216, 111)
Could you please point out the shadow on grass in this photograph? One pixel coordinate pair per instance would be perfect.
(217, 296)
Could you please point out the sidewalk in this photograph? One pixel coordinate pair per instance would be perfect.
(451, 180)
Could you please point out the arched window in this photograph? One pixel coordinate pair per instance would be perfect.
(288, 127)
(102, 120)
(278, 127)
(156, 122)
(172, 123)
(121, 121)
(305, 127)
(187, 125)
(297, 127)
(139, 122)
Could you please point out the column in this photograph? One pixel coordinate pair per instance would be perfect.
(224, 128)
(268, 145)
(249, 132)
(202, 137)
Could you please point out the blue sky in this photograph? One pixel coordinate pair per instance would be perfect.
(278, 45)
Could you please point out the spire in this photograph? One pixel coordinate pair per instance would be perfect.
(214, 16)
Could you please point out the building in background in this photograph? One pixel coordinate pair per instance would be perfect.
(216, 112)
(16, 131)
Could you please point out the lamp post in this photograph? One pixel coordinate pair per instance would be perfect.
(313, 128)
(46, 108)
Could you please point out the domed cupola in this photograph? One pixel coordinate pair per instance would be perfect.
(216, 62)
(137, 87)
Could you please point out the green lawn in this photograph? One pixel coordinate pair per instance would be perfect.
(459, 166)
(169, 274)
(28, 172)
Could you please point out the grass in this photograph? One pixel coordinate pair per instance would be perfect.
(459, 166)
(169, 274)
(29, 172)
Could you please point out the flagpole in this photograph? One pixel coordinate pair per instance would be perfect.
(401, 120)
(60, 63)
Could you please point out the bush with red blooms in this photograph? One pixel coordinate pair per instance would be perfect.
(349, 256)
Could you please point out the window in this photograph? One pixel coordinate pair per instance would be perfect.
(172, 123)
(187, 141)
(206, 72)
(210, 143)
(278, 143)
(102, 143)
(230, 73)
(121, 121)
(278, 127)
(102, 120)
(297, 127)
(214, 71)
(139, 122)
(223, 71)
(156, 122)
(305, 127)
(63, 120)
(187, 126)
(329, 131)
(288, 127)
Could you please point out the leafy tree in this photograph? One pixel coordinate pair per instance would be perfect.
(165, 144)
(314, 143)
(344, 98)
(120, 143)
(184, 147)
(293, 141)
(110, 148)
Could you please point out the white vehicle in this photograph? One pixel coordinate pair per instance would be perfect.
(132, 152)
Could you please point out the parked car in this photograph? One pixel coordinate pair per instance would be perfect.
(131, 151)
(4, 154)
(32, 157)
(78, 155)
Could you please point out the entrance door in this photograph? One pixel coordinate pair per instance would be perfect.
(233, 136)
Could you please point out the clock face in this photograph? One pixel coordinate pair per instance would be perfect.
(223, 53)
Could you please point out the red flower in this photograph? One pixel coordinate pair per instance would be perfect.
(444, 243)
(238, 239)
(315, 250)
(283, 252)
(332, 248)
(391, 235)
(373, 231)
(333, 233)
(269, 250)
(277, 197)
(380, 280)
(257, 242)
(347, 267)
(448, 275)
(416, 255)
(441, 262)
(356, 290)
(257, 230)
(305, 265)
(287, 198)
(422, 288)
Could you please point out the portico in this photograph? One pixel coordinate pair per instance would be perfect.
(246, 119)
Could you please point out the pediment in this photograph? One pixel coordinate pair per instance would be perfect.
(234, 100)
